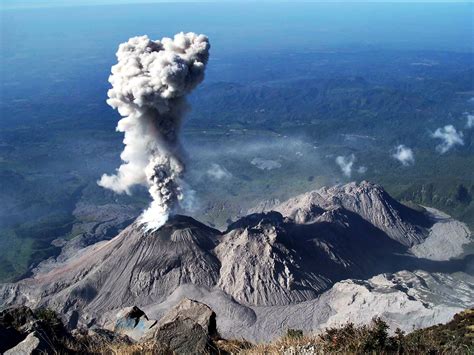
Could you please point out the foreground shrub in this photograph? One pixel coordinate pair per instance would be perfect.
(294, 333)
(455, 337)
(363, 339)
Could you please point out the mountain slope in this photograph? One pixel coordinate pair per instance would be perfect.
(135, 267)
(369, 201)
(262, 263)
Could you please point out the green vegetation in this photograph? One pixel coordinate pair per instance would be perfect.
(454, 199)
(294, 333)
(455, 337)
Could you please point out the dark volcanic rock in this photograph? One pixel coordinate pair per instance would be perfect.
(196, 311)
(34, 343)
(39, 330)
(257, 220)
(11, 321)
(183, 336)
(188, 328)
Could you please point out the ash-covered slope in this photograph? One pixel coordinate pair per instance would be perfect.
(328, 235)
(270, 260)
(263, 261)
(136, 267)
(262, 264)
(369, 201)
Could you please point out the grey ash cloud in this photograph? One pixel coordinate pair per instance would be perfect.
(149, 87)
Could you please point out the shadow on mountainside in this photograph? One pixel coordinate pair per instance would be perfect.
(346, 247)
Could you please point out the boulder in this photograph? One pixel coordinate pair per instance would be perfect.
(188, 328)
(132, 322)
(27, 328)
(33, 343)
(196, 311)
(182, 336)
(11, 321)
(9, 337)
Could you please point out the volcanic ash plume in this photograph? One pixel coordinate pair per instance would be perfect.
(149, 86)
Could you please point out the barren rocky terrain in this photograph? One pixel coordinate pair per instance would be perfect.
(344, 253)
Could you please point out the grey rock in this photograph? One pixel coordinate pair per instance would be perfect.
(188, 328)
(196, 311)
(97, 335)
(12, 322)
(231, 314)
(18, 323)
(32, 344)
(132, 322)
(183, 336)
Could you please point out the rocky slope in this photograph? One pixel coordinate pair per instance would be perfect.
(135, 267)
(268, 270)
(368, 201)
(190, 328)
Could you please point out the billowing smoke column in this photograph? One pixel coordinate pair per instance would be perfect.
(149, 86)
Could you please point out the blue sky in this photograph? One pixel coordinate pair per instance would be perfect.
(17, 4)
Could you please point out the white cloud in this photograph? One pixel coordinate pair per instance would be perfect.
(362, 170)
(449, 136)
(266, 164)
(470, 121)
(218, 172)
(404, 155)
(346, 163)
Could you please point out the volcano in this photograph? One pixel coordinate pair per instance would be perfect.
(298, 264)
